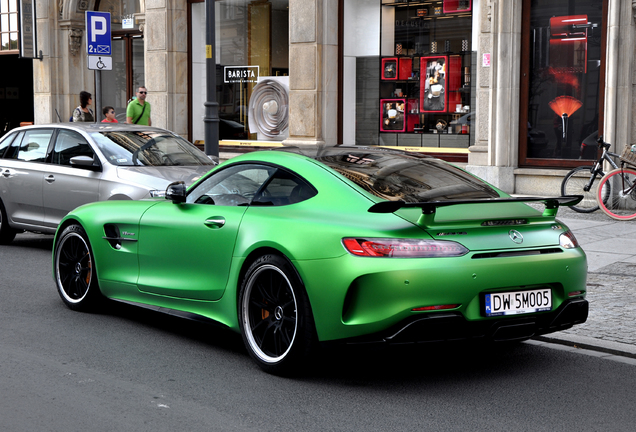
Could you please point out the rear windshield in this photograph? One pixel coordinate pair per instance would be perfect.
(405, 176)
(129, 148)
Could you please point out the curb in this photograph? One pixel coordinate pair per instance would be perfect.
(592, 344)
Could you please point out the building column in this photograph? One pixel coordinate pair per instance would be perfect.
(63, 72)
(496, 152)
(313, 72)
(166, 63)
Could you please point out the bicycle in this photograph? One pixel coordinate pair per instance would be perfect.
(575, 183)
(621, 203)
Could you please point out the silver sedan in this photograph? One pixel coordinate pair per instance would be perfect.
(48, 170)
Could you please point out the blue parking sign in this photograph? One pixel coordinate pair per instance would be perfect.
(98, 40)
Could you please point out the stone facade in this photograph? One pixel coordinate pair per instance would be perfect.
(313, 71)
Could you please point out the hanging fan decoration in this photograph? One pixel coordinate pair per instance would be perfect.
(268, 109)
(565, 106)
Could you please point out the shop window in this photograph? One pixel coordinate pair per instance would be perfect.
(128, 73)
(561, 80)
(426, 62)
(252, 69)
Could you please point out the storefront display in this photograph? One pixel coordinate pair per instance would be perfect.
(562, 91)
(429, 68)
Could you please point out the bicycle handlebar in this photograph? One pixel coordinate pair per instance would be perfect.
(602, 143)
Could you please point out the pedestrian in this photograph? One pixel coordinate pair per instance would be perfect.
(109, 113)
(83, 113)
(138, 110)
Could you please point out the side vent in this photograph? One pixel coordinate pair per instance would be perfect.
(113, 236)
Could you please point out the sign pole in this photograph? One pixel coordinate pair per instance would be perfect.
(211, 118)
(98, 96)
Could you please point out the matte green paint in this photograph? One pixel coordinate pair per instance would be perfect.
(191, 266)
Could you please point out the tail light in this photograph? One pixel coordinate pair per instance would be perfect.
(568, 241)
(403, 248)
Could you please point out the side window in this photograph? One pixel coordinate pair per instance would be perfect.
(285, 188)
(233, 186)
(12, 151)
(6, 142)
(252, 184)
(34, 145)
(68, 145)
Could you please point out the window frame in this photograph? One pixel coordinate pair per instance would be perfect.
(524, 93)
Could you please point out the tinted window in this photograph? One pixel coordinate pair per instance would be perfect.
(69, 144)
(393, 175)
(152, 148)
(284, 188)
(34, 145)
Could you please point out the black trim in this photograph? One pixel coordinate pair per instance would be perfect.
(452, 326)
(431, 206)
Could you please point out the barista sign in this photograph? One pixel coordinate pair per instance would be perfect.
(240, 74)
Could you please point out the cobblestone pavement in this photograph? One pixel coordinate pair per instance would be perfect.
(610, 246)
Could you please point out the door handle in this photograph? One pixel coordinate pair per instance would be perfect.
(50, 178)
(215, 222)
(6, 173)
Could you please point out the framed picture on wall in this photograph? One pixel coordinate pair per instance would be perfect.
(433, 83)
(389, 68)
(392, 115)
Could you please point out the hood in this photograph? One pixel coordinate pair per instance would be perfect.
(158, 177)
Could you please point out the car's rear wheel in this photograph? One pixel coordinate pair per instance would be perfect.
(7, 234)
(74, 269)
(275, 316)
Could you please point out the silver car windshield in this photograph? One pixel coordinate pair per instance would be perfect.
(151, 148)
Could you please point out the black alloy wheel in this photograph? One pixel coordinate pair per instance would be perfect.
(74, 269)
(275, 316)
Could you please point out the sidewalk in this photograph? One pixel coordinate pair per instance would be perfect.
(610, 246)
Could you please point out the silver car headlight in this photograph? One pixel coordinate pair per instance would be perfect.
(157, 193)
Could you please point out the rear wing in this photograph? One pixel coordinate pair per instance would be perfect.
(430, 207)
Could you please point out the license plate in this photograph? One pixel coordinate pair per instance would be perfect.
(518, 302)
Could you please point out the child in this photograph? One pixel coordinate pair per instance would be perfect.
(109, 113)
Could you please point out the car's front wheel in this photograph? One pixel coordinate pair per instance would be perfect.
(275, 316)
(74, 269)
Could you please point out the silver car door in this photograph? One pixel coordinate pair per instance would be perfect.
(22, 172)
(67, 186)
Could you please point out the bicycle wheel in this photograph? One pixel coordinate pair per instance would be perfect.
(573, 184)
(621, 204)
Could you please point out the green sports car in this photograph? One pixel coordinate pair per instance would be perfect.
(300, 246)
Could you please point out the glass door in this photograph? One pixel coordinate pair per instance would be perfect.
(119, 84)
(562, 75)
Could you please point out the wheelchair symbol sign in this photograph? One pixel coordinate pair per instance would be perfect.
(100, 62)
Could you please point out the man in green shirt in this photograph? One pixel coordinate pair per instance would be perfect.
(138, 110)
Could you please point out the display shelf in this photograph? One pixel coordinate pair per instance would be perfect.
(428, 59)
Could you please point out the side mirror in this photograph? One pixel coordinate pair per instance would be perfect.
(176, 192)
(86, 162)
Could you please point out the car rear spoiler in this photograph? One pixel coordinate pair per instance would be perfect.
(430, 207)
